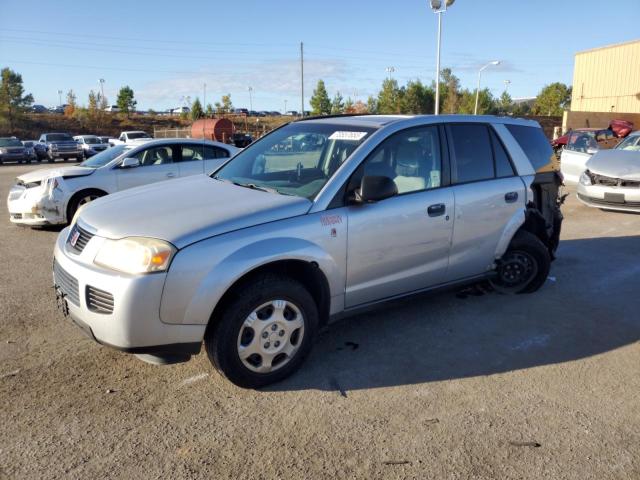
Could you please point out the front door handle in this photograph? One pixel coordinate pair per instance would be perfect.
(511, 197)
(436, 209)
(171, 175)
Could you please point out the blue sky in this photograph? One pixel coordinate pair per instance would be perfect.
(168, 50)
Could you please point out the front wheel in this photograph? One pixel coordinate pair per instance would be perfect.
(81, 199)
(264, 333)
(524, 267)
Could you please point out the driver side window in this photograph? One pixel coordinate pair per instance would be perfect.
(155, 156)
(411, 158)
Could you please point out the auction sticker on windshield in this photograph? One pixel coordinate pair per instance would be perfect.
(342, 135)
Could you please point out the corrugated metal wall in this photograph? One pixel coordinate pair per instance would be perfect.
(607, 79)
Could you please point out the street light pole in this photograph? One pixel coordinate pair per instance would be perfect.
(285, 106)
(60, 97)
(390, 70)
(439, 7)
(506, 85)
(495, 62)
(102, 90)
(250, 99)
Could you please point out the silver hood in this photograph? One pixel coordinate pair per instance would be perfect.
(186, 210)
(614, 163)
(39, 175)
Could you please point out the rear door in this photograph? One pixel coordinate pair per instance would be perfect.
(214, 156)
(157, 163)
(578, 150)
(401, 244)
(487, 194)
(191, 159)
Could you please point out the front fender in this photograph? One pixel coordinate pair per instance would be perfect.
(201, 274)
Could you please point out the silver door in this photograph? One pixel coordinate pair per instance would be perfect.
(401, 244)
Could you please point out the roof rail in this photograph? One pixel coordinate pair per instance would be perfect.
(336, 115)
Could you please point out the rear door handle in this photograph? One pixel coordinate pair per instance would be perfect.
(171, 175)
(436, 210)
(511, 197)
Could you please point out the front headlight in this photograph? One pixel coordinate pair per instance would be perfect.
(585, 179)
(135, 255)
(3, 151)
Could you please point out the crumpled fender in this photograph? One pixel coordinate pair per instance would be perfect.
(510, 229)
(192, 290)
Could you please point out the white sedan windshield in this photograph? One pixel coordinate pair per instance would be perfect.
(102, 158)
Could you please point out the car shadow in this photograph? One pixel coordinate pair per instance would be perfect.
(588, 306)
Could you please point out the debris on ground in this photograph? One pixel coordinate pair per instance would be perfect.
(10, 374)
(397, 462)
(525, 444)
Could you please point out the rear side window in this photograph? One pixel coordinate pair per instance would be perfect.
(215, 152)
(534, 144)
(503, 164)
(472, 151)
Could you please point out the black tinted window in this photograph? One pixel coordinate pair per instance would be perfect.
(534, 143)
(215, 152)
(503, 165)
(472, 151)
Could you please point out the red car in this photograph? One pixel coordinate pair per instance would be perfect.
(617, 129)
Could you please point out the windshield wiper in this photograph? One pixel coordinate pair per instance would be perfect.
(252, 186)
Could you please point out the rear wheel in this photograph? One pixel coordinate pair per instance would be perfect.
(524, 267)
(264, 333)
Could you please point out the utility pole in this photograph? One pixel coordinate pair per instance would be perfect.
(60, 97)
(390, 70)
(102, 90)
(301, 79)
(285, 106)
(250, 99)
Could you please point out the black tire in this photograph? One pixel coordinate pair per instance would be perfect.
(221, 338)
(77, 198)
(51, 158)
(529, 258)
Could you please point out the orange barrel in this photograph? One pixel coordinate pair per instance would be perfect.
(218, 129)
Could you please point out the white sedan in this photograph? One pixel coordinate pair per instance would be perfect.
(52, 196)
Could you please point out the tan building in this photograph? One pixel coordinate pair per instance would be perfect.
(607, 79)
(606, 85)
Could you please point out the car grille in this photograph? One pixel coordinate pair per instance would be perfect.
(67, 283)
(605, 203)
(82, 240)
(99, 301)
(613, 182)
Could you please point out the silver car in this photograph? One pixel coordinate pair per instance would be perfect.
(312, 222)
(611, 180)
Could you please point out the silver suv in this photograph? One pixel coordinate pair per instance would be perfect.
(312, 222)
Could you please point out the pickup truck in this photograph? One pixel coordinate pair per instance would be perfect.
(61, 145)
(278, 242)
(133, 136)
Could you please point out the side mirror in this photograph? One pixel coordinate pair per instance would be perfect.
(130, 163)
(374, 188)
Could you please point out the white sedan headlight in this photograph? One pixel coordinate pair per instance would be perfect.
(585, 179)
(135, 255)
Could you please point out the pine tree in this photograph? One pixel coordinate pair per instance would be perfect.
(196, 109)
(337, 105)
(126, 103)
(390, 97)
(208, 111)
(320, 102)
(72, 104)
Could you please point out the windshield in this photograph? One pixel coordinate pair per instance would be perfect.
(629, 143)
(28, 143)
(582, 141)
(298, 159)
(10, 142)
(102, 158)
(91, 140)
(133, 135)
(59, 137)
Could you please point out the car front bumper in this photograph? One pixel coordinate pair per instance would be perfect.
(133, 323)
(625, 199)
(14, 157)
(35, 207)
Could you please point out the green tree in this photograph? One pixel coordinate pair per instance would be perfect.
(349, 106)
(505, 104)
(390, 97)
(337, 104)
(467, 102)
(126, 102)
(418, 98)
(13, 101)
(72, 104)
(450, 94)
(372, 104)
(92, 106)
(552, 100)
(151, 112)
(224, 105)
(320, 102)
(209, 111)
(196, 109)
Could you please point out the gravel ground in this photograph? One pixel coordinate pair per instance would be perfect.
(455, 385)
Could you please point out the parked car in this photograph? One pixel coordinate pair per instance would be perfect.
(131, 136)
(274, 113)
(52, 196)
(61, 145)
(273, 245)
(291, 113)
(104, 139)
(180, 110)
(38, 108)
(91, 144)
(12, 150)
(112, 108)
(39, 149)
(59, 109)
(611, 180)
(30, 147)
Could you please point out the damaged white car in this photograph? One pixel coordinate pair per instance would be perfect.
(52, 196)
